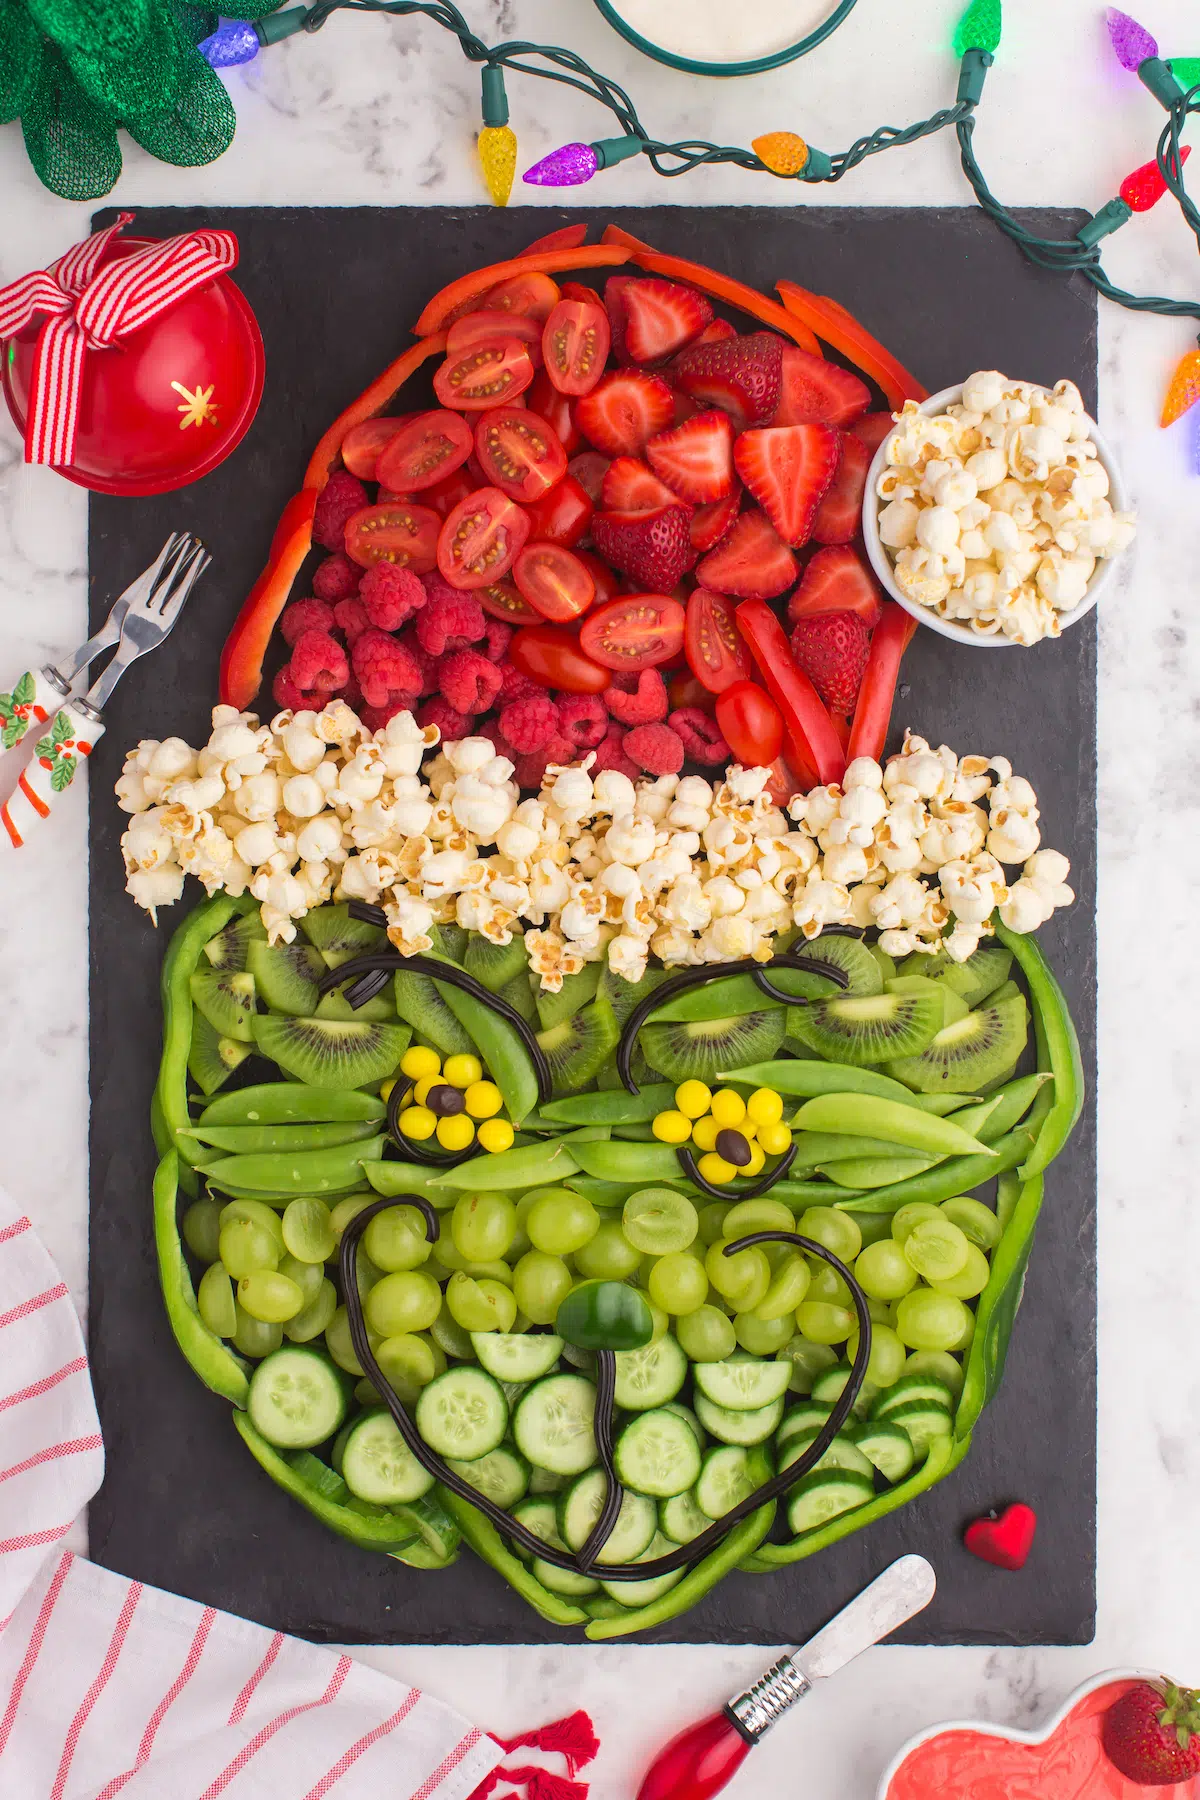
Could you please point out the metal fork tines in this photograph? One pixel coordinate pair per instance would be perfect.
(61, 675)
(148, 619)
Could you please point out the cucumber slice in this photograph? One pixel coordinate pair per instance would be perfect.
(830, 1382)
(641, 1593)
(545, 1481)
(725, 1480)
(923, 1421)
(681, 1519)
(685, 1412)
(516, 1355)
(579, 1508)
(554, 1424)
(743, 1383)
(888, 1447)
(650, 1376)
(738, 1427)
(297, 1398)
(824, 1494)
(843, 1453)
(809, 1417)
(657, 1454)
(538, 1516)
(377, 1465)
(462, 1413)
(502, 1475)
(913, 1387)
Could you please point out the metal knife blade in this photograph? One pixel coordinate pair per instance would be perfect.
(902, 1591)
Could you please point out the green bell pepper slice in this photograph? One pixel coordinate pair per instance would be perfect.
(1058, 1043)
(215, 1364)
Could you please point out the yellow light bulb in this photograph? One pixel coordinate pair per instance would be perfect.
(498, 160)
(783, 152)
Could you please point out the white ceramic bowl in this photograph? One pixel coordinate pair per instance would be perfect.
(956, 629)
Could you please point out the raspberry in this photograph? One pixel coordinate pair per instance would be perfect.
(582, 720)
(516, 686)
(499, 637)
(446, 615)
(702, 740)
(351, 694)
(305, 615)
(375, 717)
(637, 701)
(351, 618)
(285, 692)
(318, 663)
(529, 770)
(529, 724)
(336, 578)
(655, 748)
(610, 753)
(468, 681)
(385, 670)
(342, 495)
(427, 664)
(452, 725)
(391, 595)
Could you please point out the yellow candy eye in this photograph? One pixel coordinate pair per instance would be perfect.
(419, 1060)
(774, 1139)
(455, 1132)
(693, 1099)
(419, 1122)
(672, 1128)
(461, 1071)
(483, 1099)
(765, 1107)
(757, 1160)
(714, 1168)
(496, 1135)
(421, 1091)
(704, 1133)
(385, 1090)
(728, 1107)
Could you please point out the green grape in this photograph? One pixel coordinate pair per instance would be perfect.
(662, 1320)
(762, 1337)
(883, 1271)
(367, 1394)
(807, 1360)
(246, 1247)
(560, 1222)
(409, 1364)
(883, 1312)
(826, 1284)
(202, 1229)
(743, 1278)
(966, 1336)
(790, 1282)
(541, 1283)
(215, 1301)
(521, 1243)
(824, 1323)
(912, 1215)
(307, 1276)
(971, 1279)
(483, 1225)
(659, 1221)
(926, 1320)
(747, 1216)
(347, 1209)
(366, 1272)
(396, 1242)
(269, 1296)
(450, 1338)
(255, 1337)
(610, 1256)
(706, 1335)
(409, 1300)
(712, 1222)
(977, 1221)
(260, 1213)
(339, 1345)
(480, 1305)
(678, 1283)
(885, 1365)
(874, 1227)
(938, 1250)
(315, 1318)
(308, 1232)
(938, 1363)
(836, 1231)
(490, 1271)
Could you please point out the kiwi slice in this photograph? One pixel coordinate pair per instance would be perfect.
(335, 1005)
(973, 1051)
(703, 1047)
(227, 1001)
(624, 995)
(575, 992)
(330, 1053)
(953, 1004)
(212, 1058)
(886, 963)
(639, 1068)
(863, 1028)
(577, 1047)
(851, 956)
(227, 951)
(418, 1002)
(519, 995)
(286, 975)
(451, 940)
(495, 964)
(338, 937)
(976, 979)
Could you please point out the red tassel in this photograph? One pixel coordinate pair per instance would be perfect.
(540, 1784)
(573, 1737)
(489, 1783)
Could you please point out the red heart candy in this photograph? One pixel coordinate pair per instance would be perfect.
(1004, 1539)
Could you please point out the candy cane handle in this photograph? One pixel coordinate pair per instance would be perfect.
(67, 738)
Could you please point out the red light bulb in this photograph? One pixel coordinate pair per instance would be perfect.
(1146, 186)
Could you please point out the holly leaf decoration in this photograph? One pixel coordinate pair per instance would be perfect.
(63, 773)
(61, 729)
(12, 729)
(23, 693)
(44, 747)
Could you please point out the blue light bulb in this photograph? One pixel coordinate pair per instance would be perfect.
(234, 41)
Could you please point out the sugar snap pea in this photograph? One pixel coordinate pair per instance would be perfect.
(877, 1171)
(487, 1544)
(941, 1104)
(816, 1148)
(500, 1046)
(217, 1366)
(956, 1175)
(392, 1178)
(292, 1103)
(868, 1115)
(800, 1194)
(810, 1078)
(334, 1171)
(1059, 1046)
(253, 1139)
(616, 1161)
(609, 1106)
(1013, 1101)
(736, 995)
(997, 1309)
(1008, 1192)
(534, 1165)
(169, 1108)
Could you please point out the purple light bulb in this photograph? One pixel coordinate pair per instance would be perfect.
(1131, 42)
(568, 166)
(234, 41)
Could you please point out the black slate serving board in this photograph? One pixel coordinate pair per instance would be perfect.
(183, 1505)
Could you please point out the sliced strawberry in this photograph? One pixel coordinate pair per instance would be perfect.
(836, 580)
(653, 548)
(623, 410)
(614, 306)
(872, 428)
(629, 487)
(840, 513)
(716, 330)
(696, 458)
(685, 409)
(661, 317)
(710, 523)
(831, 648)
(751, 562)
(589, 469)
(788, 469)
(816, 392)
(741, 375)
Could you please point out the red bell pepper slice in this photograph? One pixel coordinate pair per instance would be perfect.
(843, 331)
(548, 262)
(711, 281)
(246, 645)
(812, 742)
(873, 713)
(568, 238)
(372, 400)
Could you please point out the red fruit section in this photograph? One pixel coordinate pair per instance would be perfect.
(624, 410)
(715, 652)
(788, 469)
(630, 486)
(816, 392)
(661, 317)
(741, 375)
(519, 453)
(836, 580)
(696, 458)
(638, 631)
(752, 562)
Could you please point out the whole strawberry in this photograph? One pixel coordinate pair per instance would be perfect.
(1151, 1734)
(831, 648)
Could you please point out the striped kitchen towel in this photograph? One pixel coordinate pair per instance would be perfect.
(109, 1687)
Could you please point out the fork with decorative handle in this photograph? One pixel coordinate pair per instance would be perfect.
(138, 622)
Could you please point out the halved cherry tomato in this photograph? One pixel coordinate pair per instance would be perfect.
(552, 655)
(446, 495)
(501, 601)
(490, 373)
(401, 532)
(481, 539)
(362, 443)
(563, 515)
(545, 400)
(532, 295)
(575, 343)
(555, 583)
(589, 469)
(607, 581)
(715, 652)
(519, 452)
(637, 631)
(751, 724)
(475, 327)
(424, 451)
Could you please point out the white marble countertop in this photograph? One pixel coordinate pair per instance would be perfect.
(377, 111)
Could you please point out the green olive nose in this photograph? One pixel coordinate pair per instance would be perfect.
(605, 1315)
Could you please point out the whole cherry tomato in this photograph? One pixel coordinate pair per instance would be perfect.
(575, 344)
(519, 452)
(490, 373)
(751, 723)
(551, 654)
(555, 582)
(401, 532)
(607, 581)
(715, 651)
(424, 451)
(636, 631)
(544, 399)
(563, 515)
(480, 540)
(446, 495)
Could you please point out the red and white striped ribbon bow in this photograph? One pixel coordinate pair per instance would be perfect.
(90, 308)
